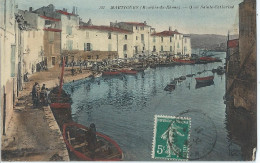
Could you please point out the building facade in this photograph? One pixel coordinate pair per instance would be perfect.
(170, 42)
(8, 59)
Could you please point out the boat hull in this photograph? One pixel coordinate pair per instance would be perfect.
(60, 105)
(131, 72)
(207, 79)
(79, 154)
(111, 73)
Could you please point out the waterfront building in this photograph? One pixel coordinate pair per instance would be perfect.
(171, 43)
(8, 60)
(140, 34)
(97, 40)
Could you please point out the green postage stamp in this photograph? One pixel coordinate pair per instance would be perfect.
(171, 137)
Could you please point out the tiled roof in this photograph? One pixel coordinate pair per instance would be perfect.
(166, 33)
(233, 43)
(49, 18)
(52, 29)
(64, 12)
(135, 23)
(105, 28)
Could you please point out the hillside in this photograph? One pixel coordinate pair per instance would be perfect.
(208, 41)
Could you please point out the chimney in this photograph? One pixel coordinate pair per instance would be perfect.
(145, 22)
(30, 9)
(170, 28)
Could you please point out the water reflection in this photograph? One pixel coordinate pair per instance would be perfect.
(200, 85)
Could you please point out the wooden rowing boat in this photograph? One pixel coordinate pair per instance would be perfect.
(76, 138)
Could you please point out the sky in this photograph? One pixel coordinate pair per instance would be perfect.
(183, 15)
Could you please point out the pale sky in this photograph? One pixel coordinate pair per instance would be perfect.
(186, 20)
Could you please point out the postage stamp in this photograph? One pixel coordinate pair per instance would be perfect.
(171, 138)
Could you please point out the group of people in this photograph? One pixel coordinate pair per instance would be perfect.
(40, 95)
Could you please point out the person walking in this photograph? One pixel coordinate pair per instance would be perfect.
(34, 95)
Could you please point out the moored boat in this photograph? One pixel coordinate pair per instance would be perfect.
(77, 139)
(59, 98)
(111, 73)
(171, 86)
(209, 59)
(206, 79)
(127, 71)
(183, 61)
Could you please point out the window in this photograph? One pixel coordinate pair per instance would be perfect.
(69, 30)
(175, 37)
(178, 45)
(170, 48)
(87, 34)
(87, 47)
(69, 44)
(97, 57)
(143, 48)
(142, 28)
(179, 37)
(136, 38)
(125, 55)
(51, 36)
(161, 48)
(136, 28)
(109, 35)
(53, 61)
(154, 48)
(154, 39)
(13, 60)
(170, 39)
(125, 37)
(161, 39)
(89, 57)
(185, 40)
(142, 37)
(125, 47)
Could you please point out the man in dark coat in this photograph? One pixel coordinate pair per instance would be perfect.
(92, 139)
(34, 94)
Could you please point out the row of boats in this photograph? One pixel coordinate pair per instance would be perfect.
(199, 80)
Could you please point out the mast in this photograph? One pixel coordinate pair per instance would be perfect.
(61, 77)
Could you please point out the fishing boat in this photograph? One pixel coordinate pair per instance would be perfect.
(206, 79)
(208, 59)
(183, 61)
(171, 86)
(75, 136)
(59, 98)
(220, 70)
(97, 75)
(107, 73)
(128, 71)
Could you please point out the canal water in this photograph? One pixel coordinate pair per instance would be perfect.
(124, 107)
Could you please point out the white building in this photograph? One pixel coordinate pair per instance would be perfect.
(106, 38)
(8, 60)
(141, 36)
(69, 30)
(170, 42)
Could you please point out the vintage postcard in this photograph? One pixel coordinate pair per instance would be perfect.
(137, 80)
